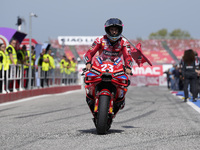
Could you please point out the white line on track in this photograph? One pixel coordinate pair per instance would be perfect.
(35, 97)
(195, 107)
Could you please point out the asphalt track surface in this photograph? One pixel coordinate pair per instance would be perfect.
(153, 119)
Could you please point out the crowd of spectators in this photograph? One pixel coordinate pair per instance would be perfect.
(174, 78)
(15, 63)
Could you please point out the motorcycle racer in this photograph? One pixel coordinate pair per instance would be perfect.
(111, 45)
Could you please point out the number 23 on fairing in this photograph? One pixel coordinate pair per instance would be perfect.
(107, 66)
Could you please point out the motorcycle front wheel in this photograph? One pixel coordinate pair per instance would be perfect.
(102, 116)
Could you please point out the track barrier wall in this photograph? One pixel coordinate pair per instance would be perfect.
(14, 82)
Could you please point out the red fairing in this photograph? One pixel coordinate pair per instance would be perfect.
(106, 50)
(138, 56)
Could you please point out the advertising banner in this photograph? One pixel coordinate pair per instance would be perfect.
(76, 40)
(148, 70)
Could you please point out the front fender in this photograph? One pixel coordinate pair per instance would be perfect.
(104, 92)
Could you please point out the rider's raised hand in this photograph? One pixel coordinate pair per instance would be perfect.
(88, 66)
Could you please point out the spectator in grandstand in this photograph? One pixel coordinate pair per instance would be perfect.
(21, 55)
(33, 58)
(12, 52)
(32, 63)
(74, 69)
(21, 60)
(39, 64)
(171, 76)
(176, 75)
(52, 66)
(62, 67)
(189, 73)
(62, 64)
(3, 65)
(197, 66)
(45, 69)
(168, 78)
(12, 56)
(68, 66)
(111, 46)
(180, 79)
(73, 65)
(41, 57)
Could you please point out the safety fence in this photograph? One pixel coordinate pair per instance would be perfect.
(16, 78)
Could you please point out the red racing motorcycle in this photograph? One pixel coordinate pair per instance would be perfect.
(106, 86)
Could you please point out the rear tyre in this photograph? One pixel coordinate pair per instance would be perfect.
(102, 116)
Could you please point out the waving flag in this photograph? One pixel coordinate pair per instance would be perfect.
(6, 34)
(138, 56)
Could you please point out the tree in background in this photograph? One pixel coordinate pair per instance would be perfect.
(179, 34)
(175, 34)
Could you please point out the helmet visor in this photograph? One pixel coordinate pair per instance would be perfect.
(113, 22)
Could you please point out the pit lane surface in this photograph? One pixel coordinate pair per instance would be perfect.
(152, 119)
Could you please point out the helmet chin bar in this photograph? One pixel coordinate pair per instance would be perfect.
(113, 38)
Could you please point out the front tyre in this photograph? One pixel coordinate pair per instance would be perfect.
(102, 116)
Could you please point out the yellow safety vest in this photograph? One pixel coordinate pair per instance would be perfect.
(13, 53)
(23, 56)
(4, 61)
(39, 60)
(73, 66)
(32, 60)
(7, 61)
(45, 66)
(51, 62)
(61, 65)
(27, 61)
(67, 70)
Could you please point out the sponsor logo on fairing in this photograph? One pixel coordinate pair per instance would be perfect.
(99, 60)
(86, 58)
(95, 71)
(91, 74)
(117, 61)
(122, 77)
(118, 73)
(189, 67)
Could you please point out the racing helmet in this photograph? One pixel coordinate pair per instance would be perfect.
(113, 22)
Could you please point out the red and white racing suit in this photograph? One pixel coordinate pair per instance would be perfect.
(106, 50)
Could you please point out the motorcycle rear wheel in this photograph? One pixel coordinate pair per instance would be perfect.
(102, 116)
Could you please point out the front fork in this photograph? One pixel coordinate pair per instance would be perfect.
(107, 93)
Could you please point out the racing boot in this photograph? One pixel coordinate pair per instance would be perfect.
(123, 104)
(194, 100)
(185, 99)
(119, 105)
